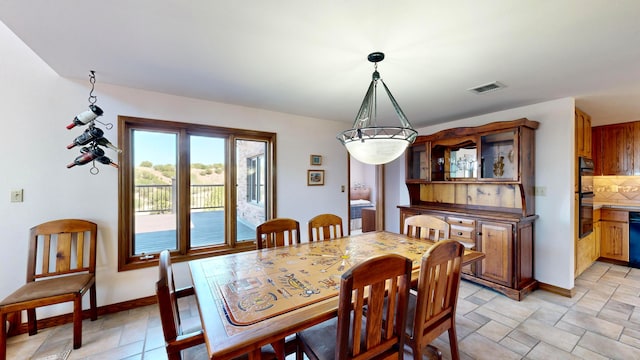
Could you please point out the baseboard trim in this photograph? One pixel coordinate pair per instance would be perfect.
(22, 328)
(557, 290)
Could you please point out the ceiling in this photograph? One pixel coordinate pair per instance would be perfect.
(310, 57)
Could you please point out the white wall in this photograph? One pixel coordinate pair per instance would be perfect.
(555, 161)
(37, 104)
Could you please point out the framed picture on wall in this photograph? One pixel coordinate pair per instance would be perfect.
(315, 177)
(316, 159)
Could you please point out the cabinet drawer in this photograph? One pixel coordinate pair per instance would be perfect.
(461, 221)
(614, 215)
(461, 232)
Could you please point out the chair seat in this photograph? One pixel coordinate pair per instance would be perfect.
(315, 338)
(50, 288)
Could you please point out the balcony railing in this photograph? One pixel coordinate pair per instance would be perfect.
(160, 199)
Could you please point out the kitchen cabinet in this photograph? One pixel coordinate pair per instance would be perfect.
(585, 247)
(583, 134)
(614, 234)
(481, 181)
(616, 149)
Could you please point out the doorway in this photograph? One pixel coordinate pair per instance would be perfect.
(366, 197)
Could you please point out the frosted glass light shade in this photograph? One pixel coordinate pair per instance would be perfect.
(377, 145)
(376, 151)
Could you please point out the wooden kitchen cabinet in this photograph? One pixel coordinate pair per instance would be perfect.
(614, 234)
(481, 181)
(583, 134)
(615, 149)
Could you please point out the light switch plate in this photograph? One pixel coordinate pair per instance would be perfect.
(16, 195)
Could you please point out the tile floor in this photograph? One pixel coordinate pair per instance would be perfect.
(602, 321)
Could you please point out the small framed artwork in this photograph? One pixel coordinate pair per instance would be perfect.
(316, 159)
(315, 177)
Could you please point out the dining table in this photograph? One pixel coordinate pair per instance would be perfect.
(251, 299)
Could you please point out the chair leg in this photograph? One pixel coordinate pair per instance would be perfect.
(77, 321)
(93, 302)
(416, 349)
(32, 322)
(453, 343)
(3, 336)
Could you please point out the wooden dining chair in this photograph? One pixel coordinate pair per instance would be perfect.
(325, 227)
(432, 310)
(277, 232)
(360, 334)
(426, 227)
(61, 268)
(176, 339)
(179, 341)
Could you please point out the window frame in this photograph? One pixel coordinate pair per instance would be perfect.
(126, 126)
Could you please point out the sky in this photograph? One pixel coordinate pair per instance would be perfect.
(160, 148)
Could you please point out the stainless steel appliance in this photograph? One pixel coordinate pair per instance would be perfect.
(585, 196)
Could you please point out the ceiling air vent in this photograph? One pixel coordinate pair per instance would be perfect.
(482, 89)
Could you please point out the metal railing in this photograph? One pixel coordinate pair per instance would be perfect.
(162, 198)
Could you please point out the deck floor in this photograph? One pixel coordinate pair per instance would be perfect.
(158, 232)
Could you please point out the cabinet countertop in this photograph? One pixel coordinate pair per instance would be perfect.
(616, 206)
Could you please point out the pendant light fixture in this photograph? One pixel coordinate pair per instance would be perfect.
(366, 140)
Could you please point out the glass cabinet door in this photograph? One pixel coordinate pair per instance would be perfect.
(499, 156)
(417, 166)
(454, 161)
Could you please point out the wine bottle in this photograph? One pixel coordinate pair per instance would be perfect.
(104, 142)
(105, 160)
(86, 116)
(86, 156)
(86, 137)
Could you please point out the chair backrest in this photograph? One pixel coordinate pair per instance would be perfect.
(369, 334)
(277, 232)
(61, 247)
(167, 299)
(438, 286)
(426, 227)
(325, 227)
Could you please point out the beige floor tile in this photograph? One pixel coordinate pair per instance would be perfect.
(494, 331)
(544, 351)
(586, 354)
(594, 324)
(480, 348)
(559, 338)
(608, 347)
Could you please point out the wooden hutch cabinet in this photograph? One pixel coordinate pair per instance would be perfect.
(481, 181)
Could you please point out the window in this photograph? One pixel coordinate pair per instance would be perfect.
(196, 190)
(255, 184)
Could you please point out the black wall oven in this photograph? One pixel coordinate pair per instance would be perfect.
(585, 196)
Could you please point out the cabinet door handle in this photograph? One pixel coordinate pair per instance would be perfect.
(459, 233)
(479, 233)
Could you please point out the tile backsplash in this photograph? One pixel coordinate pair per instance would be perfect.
(617, 189)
